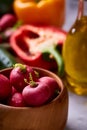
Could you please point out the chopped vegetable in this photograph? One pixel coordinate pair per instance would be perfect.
(37, 46)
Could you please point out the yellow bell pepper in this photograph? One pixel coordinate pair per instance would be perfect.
(49, 12)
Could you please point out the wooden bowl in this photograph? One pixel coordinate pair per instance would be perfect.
(51, 116)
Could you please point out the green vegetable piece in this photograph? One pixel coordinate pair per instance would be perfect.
(6, 59)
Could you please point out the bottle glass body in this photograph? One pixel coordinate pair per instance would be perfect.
(75, 54)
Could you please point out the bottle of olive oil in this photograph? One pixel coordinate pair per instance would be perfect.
(75, 53)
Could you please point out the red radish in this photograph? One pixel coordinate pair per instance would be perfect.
(7, 20)
(16, 100)
(39, 93)
(18, 75)
(35, 96)
(5, 87)
(51, 82)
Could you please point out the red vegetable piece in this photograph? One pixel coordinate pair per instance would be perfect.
(51, 82)
(28, 38)
(41, 92)
(5, 87)
(7, 20)
(36, 96)
(16, 100)
(18, 75)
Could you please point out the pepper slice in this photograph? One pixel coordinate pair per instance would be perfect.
(37, 46)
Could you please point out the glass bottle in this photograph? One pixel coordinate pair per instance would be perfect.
(75, 52)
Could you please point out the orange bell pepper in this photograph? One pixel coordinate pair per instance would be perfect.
(48, 12)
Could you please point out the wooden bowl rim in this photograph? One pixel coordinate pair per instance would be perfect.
(62, 87)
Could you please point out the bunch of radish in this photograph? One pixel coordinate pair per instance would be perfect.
(26, 87)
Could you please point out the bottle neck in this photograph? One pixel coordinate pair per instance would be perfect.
(85, 7)
(82, 10)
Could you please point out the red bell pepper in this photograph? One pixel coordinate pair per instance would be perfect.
(37, 46)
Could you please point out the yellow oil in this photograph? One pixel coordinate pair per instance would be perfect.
(75, 57)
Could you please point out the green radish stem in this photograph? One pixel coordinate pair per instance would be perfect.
(22, 67)
(31, 82)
